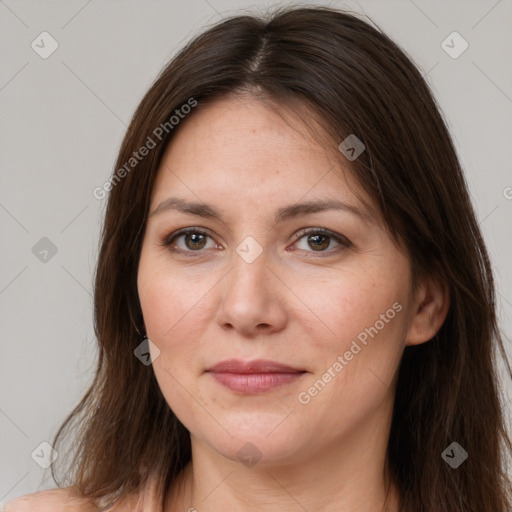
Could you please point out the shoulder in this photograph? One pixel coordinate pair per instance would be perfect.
(69, 500)
(54, 500)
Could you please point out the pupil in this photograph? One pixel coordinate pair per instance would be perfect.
(316, 237)
(196, 242)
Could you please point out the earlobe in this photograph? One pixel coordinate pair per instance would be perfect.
(430, 310)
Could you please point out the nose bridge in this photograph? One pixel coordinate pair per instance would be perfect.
(249, 299)
(249, 275)
(250, 261)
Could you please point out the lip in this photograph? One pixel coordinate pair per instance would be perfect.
(251, 377)
(254, 366)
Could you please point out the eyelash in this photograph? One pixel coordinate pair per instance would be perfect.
(344, 242)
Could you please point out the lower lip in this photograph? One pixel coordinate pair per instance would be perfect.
(251, 383)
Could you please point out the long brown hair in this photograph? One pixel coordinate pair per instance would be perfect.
(354, 80)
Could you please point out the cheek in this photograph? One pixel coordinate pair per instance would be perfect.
(175, 309)
(166, 295)
(174, 316)
(351, 303)
(355, 363)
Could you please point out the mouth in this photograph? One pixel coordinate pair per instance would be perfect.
(253, 377)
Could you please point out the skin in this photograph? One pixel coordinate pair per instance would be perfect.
(295, 304)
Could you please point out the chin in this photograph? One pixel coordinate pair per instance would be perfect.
(258, 440)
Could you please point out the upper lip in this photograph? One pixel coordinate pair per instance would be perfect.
(255, 366)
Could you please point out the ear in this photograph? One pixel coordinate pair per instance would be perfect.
(430, 307)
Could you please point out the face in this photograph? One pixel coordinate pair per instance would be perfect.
(321, 294)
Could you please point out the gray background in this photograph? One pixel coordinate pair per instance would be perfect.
(61, 124)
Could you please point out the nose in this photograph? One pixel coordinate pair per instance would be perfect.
(252, 298)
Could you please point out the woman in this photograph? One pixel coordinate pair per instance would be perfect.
(294, 306)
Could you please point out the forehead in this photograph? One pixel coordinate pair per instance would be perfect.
(242, 152)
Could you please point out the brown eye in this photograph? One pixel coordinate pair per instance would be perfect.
(188, 240)
(318, 242)
(195, 240)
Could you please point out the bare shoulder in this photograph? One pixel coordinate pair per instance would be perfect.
(54, 500)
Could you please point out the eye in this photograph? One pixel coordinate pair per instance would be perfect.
(320, 239)
(193, 239)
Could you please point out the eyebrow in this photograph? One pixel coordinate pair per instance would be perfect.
(284, 213)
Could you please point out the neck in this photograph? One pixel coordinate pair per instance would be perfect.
(352, 477)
